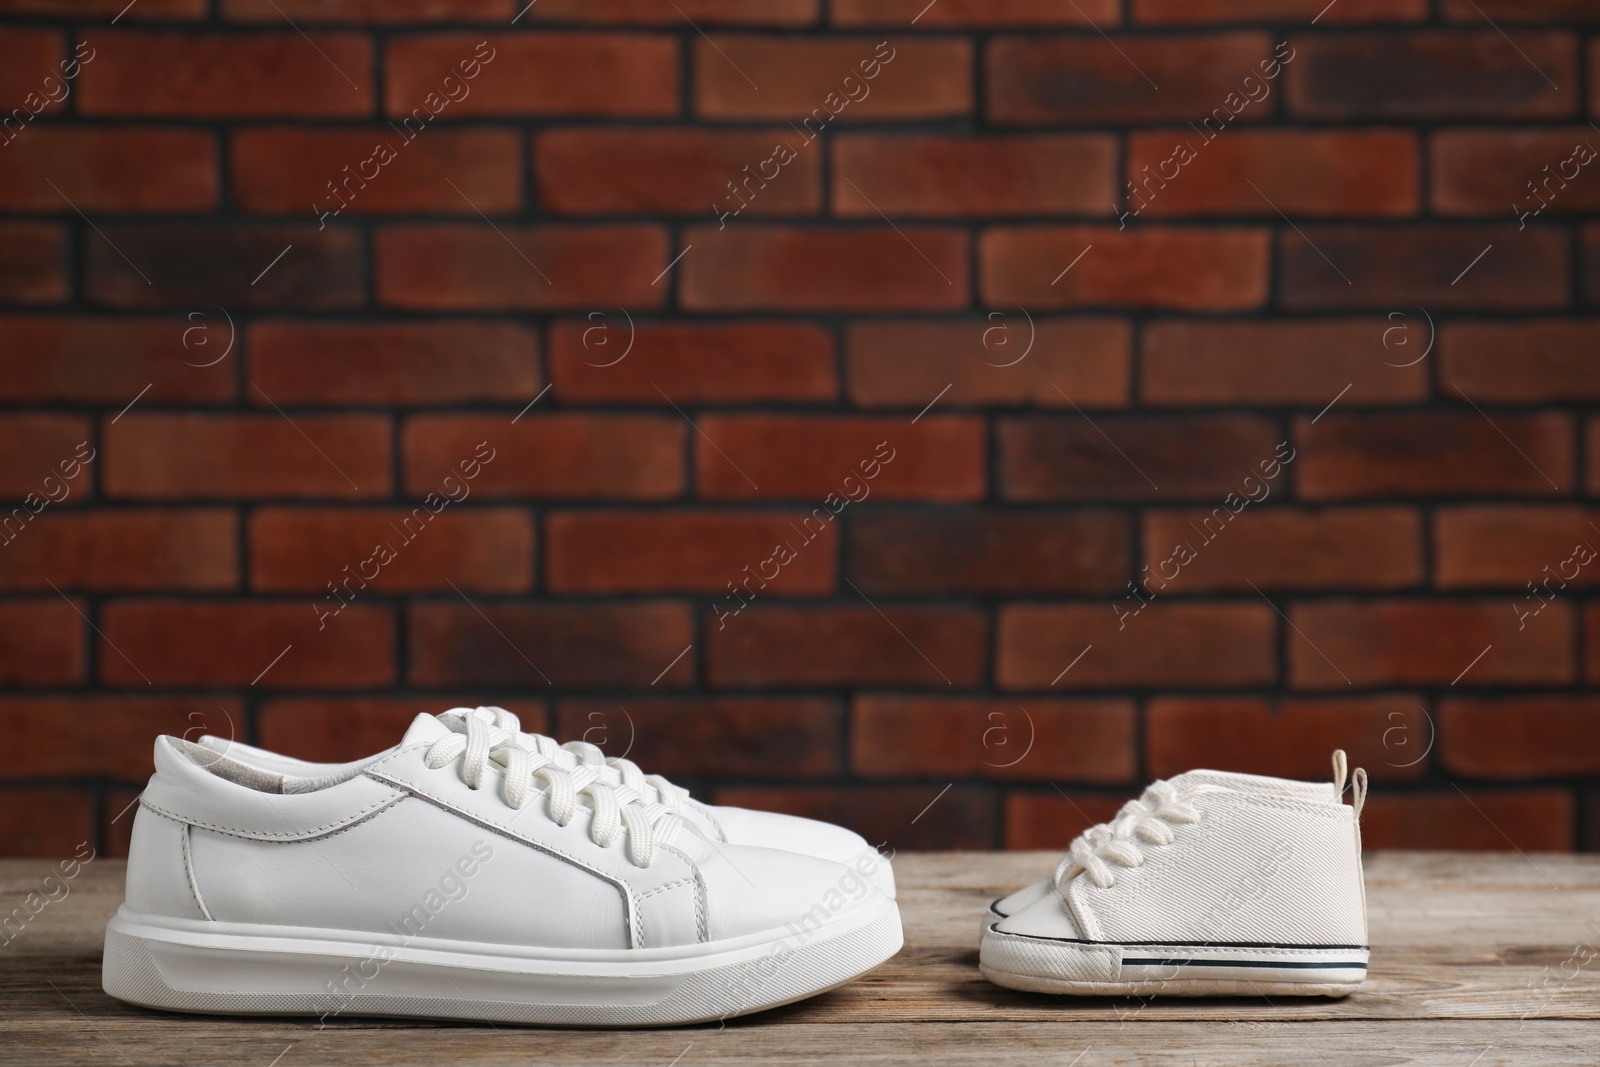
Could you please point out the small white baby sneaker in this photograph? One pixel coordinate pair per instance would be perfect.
(1210, 884)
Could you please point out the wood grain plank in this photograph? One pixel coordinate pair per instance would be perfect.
(1470, 951)
(775, 1042)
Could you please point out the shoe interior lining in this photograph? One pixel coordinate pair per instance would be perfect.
(263, 781)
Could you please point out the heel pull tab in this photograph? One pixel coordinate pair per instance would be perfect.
(1358, 791)
(1341, 767)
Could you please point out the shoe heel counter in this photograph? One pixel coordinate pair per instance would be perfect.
(1360, 861)
(160, 868)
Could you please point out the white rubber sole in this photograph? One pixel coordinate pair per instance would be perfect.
(1043, 965)
(237, 968)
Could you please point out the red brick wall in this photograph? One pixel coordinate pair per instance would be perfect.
(1057, 283)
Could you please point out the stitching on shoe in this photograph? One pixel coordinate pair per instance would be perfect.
(701, 916)
(298, 835)
(630, 898)
(1278, 950)
(664, 887)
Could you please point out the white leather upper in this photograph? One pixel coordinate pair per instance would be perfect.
(396, 840)
(740, 826)
(1262, 864)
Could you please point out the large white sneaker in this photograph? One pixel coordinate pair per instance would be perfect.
(1208, 884)
(461, 876)
(734, 826)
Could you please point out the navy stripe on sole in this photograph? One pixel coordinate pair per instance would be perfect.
(1288, 964)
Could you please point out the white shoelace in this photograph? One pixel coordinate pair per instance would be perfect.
(1144, 820)
(617, 807)
(651, 788)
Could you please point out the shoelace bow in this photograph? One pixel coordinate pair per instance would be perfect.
(1146, 819)
(617, 806)
(652, 788)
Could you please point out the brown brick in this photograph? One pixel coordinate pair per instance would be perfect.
(213, 75)
(242, 457)
(1507, 739)
(712, 737)
(1167, 644)
(818, 81)
(676, 172)
(210, 644)
(1394, 268)
(1591, 452)
(1427, 642)
(608, 357)
(901, 14)
(486, 550)
(101, 736)
(1433, 75)
(377, 170)
(1487, 172)
(42, 642)
(472, 266)
(1192, 12)
(1303, 173)
(336, 730)
(878, 268)
(1115, 457)
(1591, 639)
(632, 457)
(1086, 79)
(688, 551)
(1210, 269)
(1529, 820)
(603, 646)
(211, 266)
(79, 359)
(1005, 358)
(71, 824)
(1389, 734)
(839, 646)
(413, 363)
(1052, 820)
(27, 57)
(41, 446)
(1433, 454)
(1513, 546)
(1589, 255)
(122, 550)
(1525, 362)
(1284, 548)
(109, 169)
(831, 461)
(369, 11)
(32, 263)
(967, 177)
(1304, 362)
(1055, 740)
(522, 74)
(1534, 11)
(1593, 65)
(891, 818)
(703, 12)
(967, 551)
(146, 9)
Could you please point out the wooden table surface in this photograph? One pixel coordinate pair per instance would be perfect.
(1477, 959)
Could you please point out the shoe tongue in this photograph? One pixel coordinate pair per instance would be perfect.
(424, 729)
